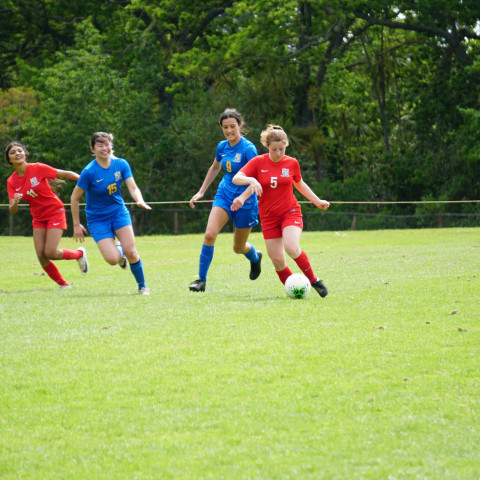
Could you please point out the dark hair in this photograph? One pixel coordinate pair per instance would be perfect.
(231, 113)
(100, 137)
(15, 144)
(55, 183)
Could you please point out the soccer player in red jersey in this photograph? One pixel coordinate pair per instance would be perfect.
(30, 182)
(271, 177)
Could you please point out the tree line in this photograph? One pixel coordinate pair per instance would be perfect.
(380, 99)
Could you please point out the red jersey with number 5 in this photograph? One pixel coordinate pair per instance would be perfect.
(276, 179)
(36, 190)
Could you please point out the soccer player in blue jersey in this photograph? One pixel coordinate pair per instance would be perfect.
(107, 215)
(231, 155)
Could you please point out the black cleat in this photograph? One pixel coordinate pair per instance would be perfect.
(256, 268)
(320, 287)
(198, 286)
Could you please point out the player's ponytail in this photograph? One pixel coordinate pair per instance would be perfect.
(273, 133)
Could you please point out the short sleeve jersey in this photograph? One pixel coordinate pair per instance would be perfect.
(276, 179)
(36, 190)
(102, 186)
(232, 160)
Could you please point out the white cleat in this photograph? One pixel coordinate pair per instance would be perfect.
(123, 263)
(144, 291)
(82, 261)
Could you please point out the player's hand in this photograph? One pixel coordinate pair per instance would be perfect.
(323, 205)
(237, 204)
(257, 188)
(78, 232)
(144, 205)
(17, 197)
(196, 197)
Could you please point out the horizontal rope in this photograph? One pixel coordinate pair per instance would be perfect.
(334, 202)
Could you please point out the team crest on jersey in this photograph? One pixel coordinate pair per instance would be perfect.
(285, 172)
(238, 158)
(118, 176)
(34, 182)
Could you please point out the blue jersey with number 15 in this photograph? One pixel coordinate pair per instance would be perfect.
(102, 186)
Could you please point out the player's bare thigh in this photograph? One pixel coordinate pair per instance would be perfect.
(240, 238)
(276, 253)
(127, 238)
(291, 240)
(217, 219)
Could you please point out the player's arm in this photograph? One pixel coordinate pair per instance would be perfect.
(307, 192)
(78, 229)
(241, 179)
(67, 174)
(209, 177)
(240, 200)
(136, 194)
(13, 203)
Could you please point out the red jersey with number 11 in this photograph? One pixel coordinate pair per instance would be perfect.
(276, 179)
(36, 190)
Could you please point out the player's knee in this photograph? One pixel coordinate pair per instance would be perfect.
(238, 248)
(42, 258)
(210, 237)
(131, 254)
(50, 253)
(293, 251)
(278, 263)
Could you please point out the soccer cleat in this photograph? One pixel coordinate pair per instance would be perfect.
(198, 286)
(144, 291)
(82, 261)
(64, 287)
(256, 268)
(320, 287)
(123, 263)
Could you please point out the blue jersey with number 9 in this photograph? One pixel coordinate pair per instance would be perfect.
(232, 160)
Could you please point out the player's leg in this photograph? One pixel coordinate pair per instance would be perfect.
(54, 235)
(109, 250)
(127, 240)
(39, 240)
(103, 232)
(291, 240)
(217, 219)
(276, 253)
(244, 220)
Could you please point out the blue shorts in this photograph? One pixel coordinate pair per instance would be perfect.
(105, 226)
(246, 217)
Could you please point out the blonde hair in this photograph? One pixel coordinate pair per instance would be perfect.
(273, 133)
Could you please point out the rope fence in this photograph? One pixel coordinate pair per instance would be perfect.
(334, 202)
(174, 218)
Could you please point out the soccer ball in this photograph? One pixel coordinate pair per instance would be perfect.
(297, 286)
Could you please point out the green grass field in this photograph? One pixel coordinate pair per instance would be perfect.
(379, 380)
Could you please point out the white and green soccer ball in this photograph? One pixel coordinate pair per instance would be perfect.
(297, 286)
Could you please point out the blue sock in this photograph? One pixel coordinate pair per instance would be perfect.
(120, 248)
(206, 256)
(252, 254)
(137, 270)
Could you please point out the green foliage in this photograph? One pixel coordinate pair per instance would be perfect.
(381, 91)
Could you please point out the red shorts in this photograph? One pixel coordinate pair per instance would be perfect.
(272, 227)
(55, 221)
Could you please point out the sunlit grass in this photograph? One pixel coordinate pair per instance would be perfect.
(377, 380)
